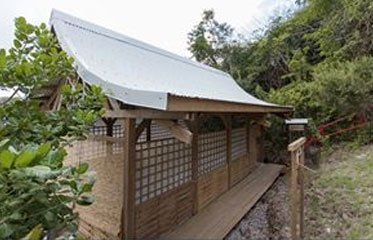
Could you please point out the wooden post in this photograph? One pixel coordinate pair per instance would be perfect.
(228, 128)
(293, 197)
(195, 128)
(296, 190)
(129, 179)
(301, 194)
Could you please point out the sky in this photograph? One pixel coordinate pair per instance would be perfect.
(163, 23)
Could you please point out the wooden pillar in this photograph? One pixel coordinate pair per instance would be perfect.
(228, 128)
(301, 197)
(195, 129)
(129, 179)
(293, 196)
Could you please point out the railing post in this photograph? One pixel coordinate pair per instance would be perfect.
(296, 189)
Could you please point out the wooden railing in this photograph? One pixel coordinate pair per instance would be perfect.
(296, 190)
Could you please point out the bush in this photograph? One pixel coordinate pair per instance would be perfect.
(36, 191)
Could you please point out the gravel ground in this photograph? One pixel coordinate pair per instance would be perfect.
(268, 219)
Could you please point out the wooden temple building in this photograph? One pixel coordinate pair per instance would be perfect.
(178, 154)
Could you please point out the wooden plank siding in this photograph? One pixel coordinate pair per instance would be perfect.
(166, 181)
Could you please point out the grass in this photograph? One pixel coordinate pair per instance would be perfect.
(339, 199)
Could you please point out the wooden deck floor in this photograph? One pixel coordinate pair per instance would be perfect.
(217, 219)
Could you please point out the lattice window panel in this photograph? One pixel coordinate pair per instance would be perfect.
(161, 165)
(118, 131)
(212, 151)
(98, 130)
(239, 143)
(101, 131)
(158, 132)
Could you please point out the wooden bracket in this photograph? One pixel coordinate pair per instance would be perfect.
(141, 127)
(176, 130)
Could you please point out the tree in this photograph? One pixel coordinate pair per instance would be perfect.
(38, 194)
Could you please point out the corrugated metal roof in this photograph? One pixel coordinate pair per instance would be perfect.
(137, 73)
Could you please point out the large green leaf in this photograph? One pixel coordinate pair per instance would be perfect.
(44, 150)
(82, 168)
(86, 200)
(25, 158)
(39, 171)
(6, 159)
(2, 59)
(35, 234)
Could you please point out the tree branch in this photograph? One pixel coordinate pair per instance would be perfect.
(10, 98)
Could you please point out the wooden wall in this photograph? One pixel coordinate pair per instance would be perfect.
(166, 194)
(102, 219)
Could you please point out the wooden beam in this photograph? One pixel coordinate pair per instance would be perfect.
(145, 113)
(176, 130)
(129, 178)
(206, 105)
(141, 127)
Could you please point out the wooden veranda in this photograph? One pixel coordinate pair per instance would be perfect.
(161, 174)
(179, 139)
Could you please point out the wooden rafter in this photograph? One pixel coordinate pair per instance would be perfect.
(114, 104)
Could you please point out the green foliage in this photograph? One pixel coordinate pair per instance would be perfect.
(317, 58)
(35, 61)
(38, 194)
(346, 87)
(208, 39)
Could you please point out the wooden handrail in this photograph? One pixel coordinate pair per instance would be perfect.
(296, 144)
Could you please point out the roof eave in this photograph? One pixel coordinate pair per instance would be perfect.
(187, 104)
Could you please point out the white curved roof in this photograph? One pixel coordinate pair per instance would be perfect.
(139, 74)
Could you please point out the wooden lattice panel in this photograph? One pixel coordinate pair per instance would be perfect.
(239, 143)
(212, 151)
(163, 213)
(212, 185)
(102, 130)
(161, 165)
(84, 151)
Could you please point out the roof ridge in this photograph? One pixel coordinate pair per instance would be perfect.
(79, 23)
